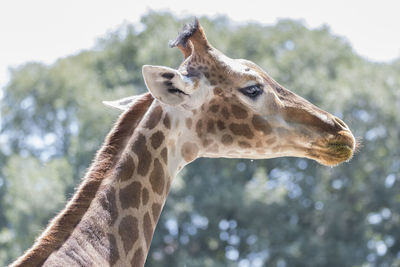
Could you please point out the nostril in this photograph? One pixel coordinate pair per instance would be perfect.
(340, 123)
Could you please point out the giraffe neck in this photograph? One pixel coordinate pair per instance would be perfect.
(119, 225)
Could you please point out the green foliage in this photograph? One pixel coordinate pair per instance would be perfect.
(280, 212)
(31, 189)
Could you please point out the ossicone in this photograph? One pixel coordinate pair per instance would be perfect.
(191, 39)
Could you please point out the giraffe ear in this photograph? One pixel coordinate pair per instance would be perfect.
(123, 103)
(167, 85)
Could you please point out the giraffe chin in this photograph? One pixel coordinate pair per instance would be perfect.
(334, 154)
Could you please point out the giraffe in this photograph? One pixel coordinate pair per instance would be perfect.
(211, 106)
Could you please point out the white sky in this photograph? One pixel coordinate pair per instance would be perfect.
(44, 30)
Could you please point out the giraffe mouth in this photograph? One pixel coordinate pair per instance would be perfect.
(334, 152)
(343, 152)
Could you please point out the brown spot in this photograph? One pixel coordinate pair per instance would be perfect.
(125, 168)
(167, 121)
(145, 196)
(213, 82)
(164, 155)
(157, 178)
(225, 113)
(226, 139)
(241, 130)
(144, 156)
(207, 75)
(129, 232)
(221, 125)
(239, 112)
(129, 196)
(260, 124)
(199, 126)
(138, 258)
(114, 255)
(156, 139)
(108, 202)
(244, 144)
(214, 108)
(189, 151)
(211, 126)
(154, 118)
(217, 91)
(156, 209)
(270, 141)
(147, 228)
(188, 123)
(258, 144)
(207, 142)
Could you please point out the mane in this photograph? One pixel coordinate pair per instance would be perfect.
(60, 228)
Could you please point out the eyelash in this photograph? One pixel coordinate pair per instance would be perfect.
(252, 91)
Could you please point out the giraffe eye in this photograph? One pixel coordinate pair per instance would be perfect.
(252, 91)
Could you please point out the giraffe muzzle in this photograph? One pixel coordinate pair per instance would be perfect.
(334, 150)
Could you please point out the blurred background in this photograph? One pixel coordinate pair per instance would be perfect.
(58, 61)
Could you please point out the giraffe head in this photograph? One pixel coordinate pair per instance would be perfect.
(235, 110)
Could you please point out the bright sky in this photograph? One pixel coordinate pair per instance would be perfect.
(44, 30)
